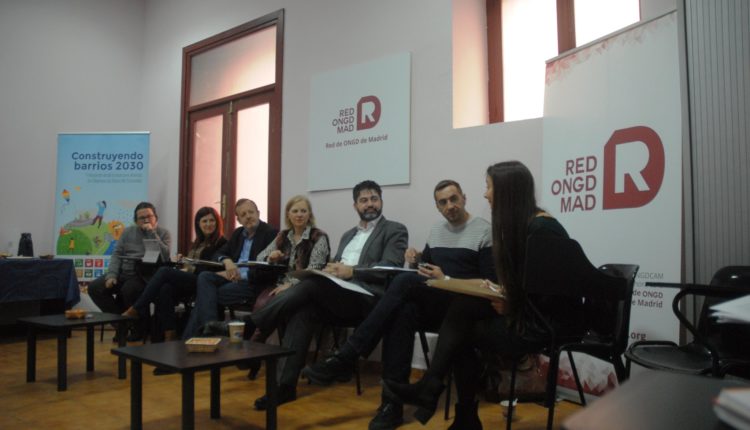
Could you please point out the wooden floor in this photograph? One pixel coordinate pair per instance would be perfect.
(99, 400)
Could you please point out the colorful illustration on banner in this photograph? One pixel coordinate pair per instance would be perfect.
(101, 177)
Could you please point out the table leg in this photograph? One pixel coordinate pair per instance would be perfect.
(90, 348)
(216, 393)
(62, 360)
(188, 400)
(272, 393)
(121, 341)
(31, 355)
(136, 395)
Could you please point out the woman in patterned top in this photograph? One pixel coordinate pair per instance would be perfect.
(300, 246)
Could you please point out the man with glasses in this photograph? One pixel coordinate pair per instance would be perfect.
(121, 286)
(234, 284)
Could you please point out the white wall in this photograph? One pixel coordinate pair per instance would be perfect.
(65, 66)
(107, 65)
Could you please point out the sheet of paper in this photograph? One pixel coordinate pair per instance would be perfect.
(304, 274)
(153, 251)
(392, 269)
(733, 311)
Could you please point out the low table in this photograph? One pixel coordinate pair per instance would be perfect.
(174, 356)
(63, 325)
(655, 400)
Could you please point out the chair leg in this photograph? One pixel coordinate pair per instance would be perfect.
(554, 365)
(511, 394)
(448, 384)
(576, 378)
(620, 370)
(425, 348)
(357, 378)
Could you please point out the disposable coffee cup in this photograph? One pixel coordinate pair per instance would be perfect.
(236, 330)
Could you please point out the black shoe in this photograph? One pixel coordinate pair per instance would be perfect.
(135, 336)
(215, 328)
(285, 394)
(330, 370)
(252, 366)
(160, 371)
(423, 394)
(252, 373)
(390, 415)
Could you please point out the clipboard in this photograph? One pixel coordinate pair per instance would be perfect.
(469, 287)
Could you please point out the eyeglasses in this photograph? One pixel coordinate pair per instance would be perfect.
(145, 218)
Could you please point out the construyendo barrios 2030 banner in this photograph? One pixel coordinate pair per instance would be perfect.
(101, 177)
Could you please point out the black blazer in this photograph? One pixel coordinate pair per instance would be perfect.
(264, 235)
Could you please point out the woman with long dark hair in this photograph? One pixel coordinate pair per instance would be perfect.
(169, 284)
(500, 325)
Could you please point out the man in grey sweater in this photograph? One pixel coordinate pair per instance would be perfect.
(121, 286)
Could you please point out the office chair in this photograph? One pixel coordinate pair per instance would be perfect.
(716, 348)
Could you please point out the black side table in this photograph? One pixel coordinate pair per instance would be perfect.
(175, 356)
(62, 325)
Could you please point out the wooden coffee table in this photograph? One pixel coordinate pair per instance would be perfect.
(174, 356)
(62, 325)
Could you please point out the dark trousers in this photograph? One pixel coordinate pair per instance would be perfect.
(408, 305)
(302, 309)
(471, 324)
(165, 289)
(120, 297)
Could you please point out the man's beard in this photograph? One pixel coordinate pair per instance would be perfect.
(369, 215)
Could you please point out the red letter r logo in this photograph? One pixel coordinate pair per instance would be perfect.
(633, 168)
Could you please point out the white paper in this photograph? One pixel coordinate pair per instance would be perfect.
(393, 269)
(733, 311)
(153, 251)
(304, 274)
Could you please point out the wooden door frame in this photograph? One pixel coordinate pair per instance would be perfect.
(185, 221)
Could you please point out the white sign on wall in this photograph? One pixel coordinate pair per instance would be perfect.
(359, 124)
(612, 165)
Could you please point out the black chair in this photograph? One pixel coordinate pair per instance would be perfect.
(716, 348)
(608, 325)
(558, 267)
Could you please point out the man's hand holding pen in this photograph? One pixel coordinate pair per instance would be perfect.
(339, 270)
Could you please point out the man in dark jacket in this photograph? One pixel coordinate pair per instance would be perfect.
(234, 284)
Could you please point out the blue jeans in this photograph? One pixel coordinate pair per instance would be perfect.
(214, 290)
